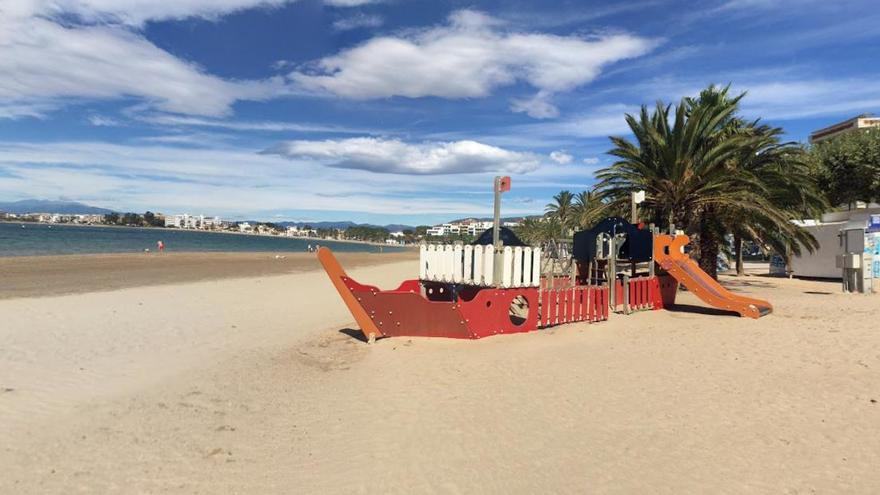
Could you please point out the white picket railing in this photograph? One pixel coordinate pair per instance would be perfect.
(475, 265)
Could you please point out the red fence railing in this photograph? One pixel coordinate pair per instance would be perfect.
(573, 304)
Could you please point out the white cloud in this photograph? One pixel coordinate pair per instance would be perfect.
(469, 57)
(795, 99)
(137, 12)
(238, 125)
(394, 156)
(537, 106)
(591, 161)
(358, 21)
(561, 157)
(25, 109)
(602, 121)
(786, 93)
(104, 121)
(766, 4)
(44, 63)
(226, 181)
(350, 3)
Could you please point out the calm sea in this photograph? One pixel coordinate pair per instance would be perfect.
(40, 239)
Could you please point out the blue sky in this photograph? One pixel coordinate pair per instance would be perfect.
(387, 111)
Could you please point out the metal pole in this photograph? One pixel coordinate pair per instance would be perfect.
(496, 234)
(634, 215)
(612, 274)
(654, 231)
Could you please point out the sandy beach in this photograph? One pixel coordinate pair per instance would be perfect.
(197, 384)
(39, 276)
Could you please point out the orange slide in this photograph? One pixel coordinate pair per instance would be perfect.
(669, 254)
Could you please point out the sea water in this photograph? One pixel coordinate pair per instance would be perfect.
(34, 239)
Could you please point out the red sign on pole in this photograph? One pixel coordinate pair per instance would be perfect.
(504, 184)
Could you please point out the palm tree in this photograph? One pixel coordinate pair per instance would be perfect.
(587, 208)
(694, 171)
(784, 171)
(562, 210)
(537, 230)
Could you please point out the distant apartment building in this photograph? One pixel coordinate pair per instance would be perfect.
(294, 231)
(436, 231)
(477, 227)
(87, 219)
(245, 228)
(470, 227)
(53, 217)
(174, 221)
(445, 229)
(187, 221)
(863, 121)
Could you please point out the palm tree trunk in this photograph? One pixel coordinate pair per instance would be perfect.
(710, 243)
(738, 247)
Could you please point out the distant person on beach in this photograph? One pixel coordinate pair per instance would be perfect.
(310, 248)
(160, 246)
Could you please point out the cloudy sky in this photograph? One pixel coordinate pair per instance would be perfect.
(387, 111)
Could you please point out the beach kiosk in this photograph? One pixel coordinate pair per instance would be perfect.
(849, 249)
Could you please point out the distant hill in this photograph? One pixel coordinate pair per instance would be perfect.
(48, 206)
(343, 225)
(489, 219)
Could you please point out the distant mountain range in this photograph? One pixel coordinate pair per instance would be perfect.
(48, 206)
(394, 227)
(489, 219)
(75, 208)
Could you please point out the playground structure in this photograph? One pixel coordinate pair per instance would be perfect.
(475, 291)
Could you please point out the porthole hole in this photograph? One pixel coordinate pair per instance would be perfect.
(519, 310)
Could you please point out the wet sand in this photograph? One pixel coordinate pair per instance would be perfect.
(38, 276)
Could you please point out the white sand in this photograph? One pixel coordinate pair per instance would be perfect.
(247, 386)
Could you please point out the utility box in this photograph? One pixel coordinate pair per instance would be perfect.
(852, 261)
(858, 245)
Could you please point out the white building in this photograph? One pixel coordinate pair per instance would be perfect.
(445, 229)
(178, 221)
(187, 221)
(172, 221)
(827, 231)
(245, 227)
(470, 227)
(211, 223)
(863, 121)
(294, 231)
(476, 228)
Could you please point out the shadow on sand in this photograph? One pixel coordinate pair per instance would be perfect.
(354, 333)
(700, 310)
(745, 282)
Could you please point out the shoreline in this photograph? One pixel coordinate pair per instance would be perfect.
(170, 229)
(56, 275)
